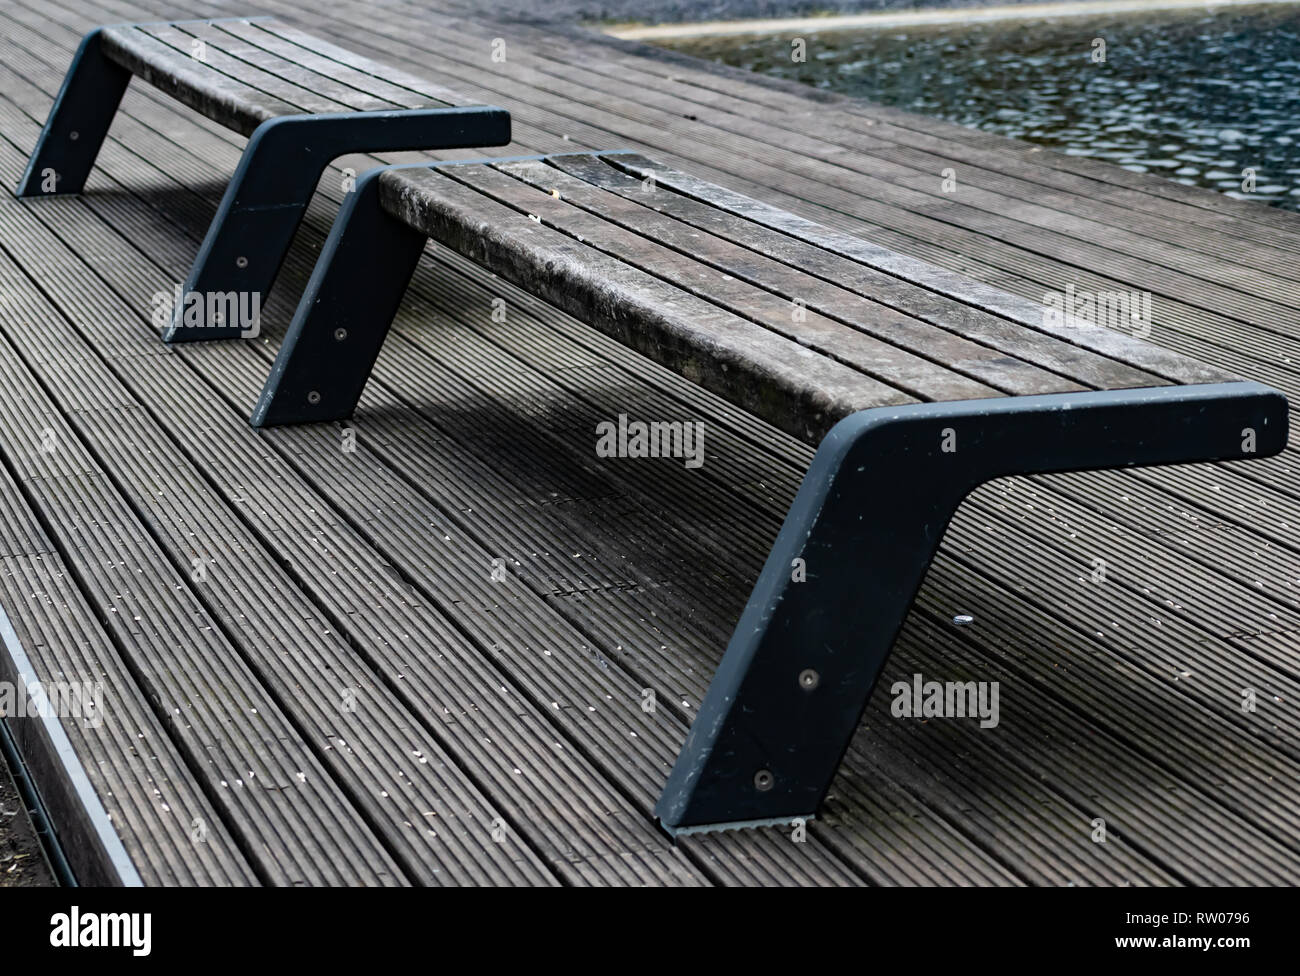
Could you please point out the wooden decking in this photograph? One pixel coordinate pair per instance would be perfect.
(311, 675)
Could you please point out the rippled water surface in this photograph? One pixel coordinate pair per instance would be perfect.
(1196, 97)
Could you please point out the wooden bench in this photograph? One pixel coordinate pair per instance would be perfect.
(916, 383)
(301, 101)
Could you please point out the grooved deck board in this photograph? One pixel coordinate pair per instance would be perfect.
(371, 570)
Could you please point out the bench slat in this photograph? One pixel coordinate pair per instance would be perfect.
(322, 66)
(935, 335)
(224, 100)
(259, 69)
(1109, 342)
(885, 362)
(967, 370)
(267, 85)
(390, 76)
(1080, 364)
(301, 78)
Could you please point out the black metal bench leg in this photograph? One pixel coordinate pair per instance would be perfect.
(270, 191)
(344, 315)
(79, 120)
(873, 507)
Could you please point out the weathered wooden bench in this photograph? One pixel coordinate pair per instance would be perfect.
(916, 383)
(301, 101)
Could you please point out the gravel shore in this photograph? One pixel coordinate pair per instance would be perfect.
(21, 862)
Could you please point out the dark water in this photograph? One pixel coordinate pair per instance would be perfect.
(1195, 97)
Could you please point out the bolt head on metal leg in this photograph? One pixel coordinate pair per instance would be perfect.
(764, 780)
(313, 397)
(340, 334)
(809, 679)
(241, 262)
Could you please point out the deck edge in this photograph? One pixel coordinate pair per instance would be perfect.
(98, 855)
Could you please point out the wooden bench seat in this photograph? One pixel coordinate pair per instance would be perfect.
(302, 102)
(916, 384)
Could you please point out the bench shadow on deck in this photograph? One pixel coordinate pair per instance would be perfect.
(424, 660)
